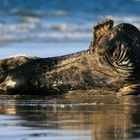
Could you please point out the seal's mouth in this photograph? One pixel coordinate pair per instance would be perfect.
(119, 51)
(119, 56)
(115, 52)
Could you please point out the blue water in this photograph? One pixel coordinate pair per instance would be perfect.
(61, 20)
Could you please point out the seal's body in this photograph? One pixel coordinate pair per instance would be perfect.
(111, 62)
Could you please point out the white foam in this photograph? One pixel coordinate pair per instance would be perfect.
(37, 30)
(58, 13)
(135, 20)
(22, 55)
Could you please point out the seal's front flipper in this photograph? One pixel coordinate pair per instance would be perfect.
(99, 31)
(133, 89)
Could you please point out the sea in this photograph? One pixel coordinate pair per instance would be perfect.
(38, 27)
(48, 28)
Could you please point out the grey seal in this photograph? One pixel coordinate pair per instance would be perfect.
(111, 63)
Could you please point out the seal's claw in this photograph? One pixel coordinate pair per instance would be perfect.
(100, 30)
(133, 89)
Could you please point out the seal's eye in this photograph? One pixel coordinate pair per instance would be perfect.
(115, 51)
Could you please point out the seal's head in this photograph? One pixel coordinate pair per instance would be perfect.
(118, 46)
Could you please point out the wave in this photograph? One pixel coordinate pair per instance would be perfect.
(39, 31)
(58, 13)
(36, 29)
(67, 27)
(135, 20)
(45, 37)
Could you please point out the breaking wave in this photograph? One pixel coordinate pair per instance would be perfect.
(61, 20)
(33, 28)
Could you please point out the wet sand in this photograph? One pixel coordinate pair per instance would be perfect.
(69, 118)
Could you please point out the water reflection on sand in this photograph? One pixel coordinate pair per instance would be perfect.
(70, 118)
